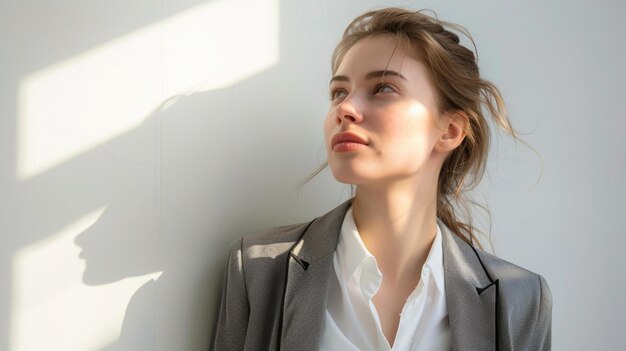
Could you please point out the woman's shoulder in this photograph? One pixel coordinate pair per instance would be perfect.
(511, 275)
(279, 240)
(508, 270)
(269, 242)
(521, 285)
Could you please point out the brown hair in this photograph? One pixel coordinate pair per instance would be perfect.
(455, 76)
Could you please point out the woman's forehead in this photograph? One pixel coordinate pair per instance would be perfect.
(377, 53)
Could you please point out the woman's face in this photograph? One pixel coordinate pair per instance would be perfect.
(395, 118)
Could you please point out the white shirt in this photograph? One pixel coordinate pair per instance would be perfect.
(351, 321)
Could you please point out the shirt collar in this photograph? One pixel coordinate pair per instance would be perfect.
(352, 255)
(351, 249)
(434, 261)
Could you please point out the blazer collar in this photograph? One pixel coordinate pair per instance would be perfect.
(471, 294)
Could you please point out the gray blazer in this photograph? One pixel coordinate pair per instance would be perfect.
(276, 284)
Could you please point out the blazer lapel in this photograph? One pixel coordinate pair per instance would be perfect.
(471, 295)
(308, 279)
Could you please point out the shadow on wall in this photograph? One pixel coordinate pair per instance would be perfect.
(208, 191)
(175, 190)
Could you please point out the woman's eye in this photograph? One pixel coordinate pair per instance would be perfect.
(381, 86)
(333, 93)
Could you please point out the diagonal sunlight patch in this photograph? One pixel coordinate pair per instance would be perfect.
(50, 298)
(74, 105)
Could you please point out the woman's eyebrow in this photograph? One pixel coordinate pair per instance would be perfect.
(370, 75)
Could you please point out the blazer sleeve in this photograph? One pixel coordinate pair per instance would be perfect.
(234, 310)
(542, 336)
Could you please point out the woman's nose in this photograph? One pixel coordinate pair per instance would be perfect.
(349, 110)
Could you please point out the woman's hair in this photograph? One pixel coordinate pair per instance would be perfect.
(455, 76)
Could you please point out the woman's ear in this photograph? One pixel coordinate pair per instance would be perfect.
(453, 130)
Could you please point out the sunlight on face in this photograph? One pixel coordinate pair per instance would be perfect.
(394, 115)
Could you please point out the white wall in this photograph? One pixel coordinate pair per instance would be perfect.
(117, 203)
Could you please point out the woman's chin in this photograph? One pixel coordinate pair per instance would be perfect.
(349, 176)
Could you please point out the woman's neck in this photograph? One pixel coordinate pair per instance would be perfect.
(397, 224)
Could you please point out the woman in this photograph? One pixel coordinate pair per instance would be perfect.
(393, 267)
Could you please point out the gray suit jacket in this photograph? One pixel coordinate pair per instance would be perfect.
(276, 284)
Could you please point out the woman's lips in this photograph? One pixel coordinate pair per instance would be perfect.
(347, 146)
(348, 141)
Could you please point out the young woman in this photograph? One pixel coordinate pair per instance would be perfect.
(392, 268)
